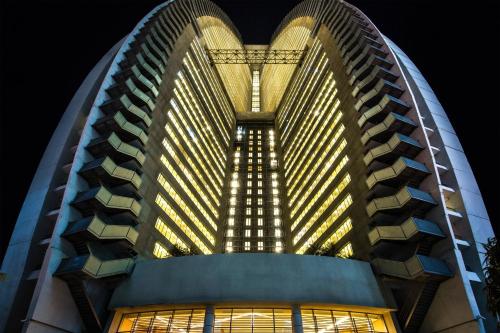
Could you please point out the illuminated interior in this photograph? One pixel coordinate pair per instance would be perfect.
(253, 320)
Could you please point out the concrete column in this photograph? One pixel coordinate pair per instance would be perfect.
(296, 319)
(208, 324)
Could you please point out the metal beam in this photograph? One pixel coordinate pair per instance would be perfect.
(235, 56)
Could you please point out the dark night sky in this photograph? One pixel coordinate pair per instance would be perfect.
(48, 46)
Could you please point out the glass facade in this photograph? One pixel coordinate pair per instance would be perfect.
(252, 320)
(171, 321)
(332, 321)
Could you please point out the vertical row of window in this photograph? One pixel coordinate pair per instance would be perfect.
(314, 157)
(199, 121)
(259, 183)
(255, 91)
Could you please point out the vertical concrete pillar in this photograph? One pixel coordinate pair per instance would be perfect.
(296, 319)
(208, 324)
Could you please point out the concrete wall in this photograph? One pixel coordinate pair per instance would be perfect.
(250, 277)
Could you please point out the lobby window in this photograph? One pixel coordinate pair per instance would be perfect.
(324, 320)
(168, 321)
(257, 320)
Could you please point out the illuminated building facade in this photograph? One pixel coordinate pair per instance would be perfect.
(310, 185)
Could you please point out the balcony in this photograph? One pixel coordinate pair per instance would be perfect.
(413, 229)
(369, 82)
(101, 199)
(97, 228)
(368, 49)
(391, 124)
(115, 148)
(118, 123)
(406, 200)
(403, 171)
(105, 169)
(363, 71)
(136, 95)
(351, 35)
(141, 80)
(89, 266)
(418, 267)
(130, 111)
(371, 98)
(386, 105)
(398, 145)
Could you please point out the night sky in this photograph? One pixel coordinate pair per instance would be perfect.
(47, 47)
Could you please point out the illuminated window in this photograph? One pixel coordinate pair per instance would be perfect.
(338, 211)
(172, 214)
(160, 251)
(260, 201)
(260, 233)
(259, 191)
(276, 211)
(249, 184)
(230, 233)
(277, 232)
(340, 232)
(248, 221)
(247, 246)
(346, 251)
(259, 183)
(247, 233)
(260, 246)
(260, 211)
(248, 211)
(232, 211)
(186, 321)
(249, 201)
(229, 246)
(278, 247)
(259, 161)
(230, 221)
(260, 221)
(259, 175)
(277, 222)
(169, 234)
(324, 320)
(249, 191)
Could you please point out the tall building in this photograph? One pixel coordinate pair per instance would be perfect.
(196, 184)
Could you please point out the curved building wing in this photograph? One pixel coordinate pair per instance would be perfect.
(198, 184)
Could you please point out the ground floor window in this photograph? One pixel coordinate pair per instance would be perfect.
(171, 321)
(331, 321)
(253, 320)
